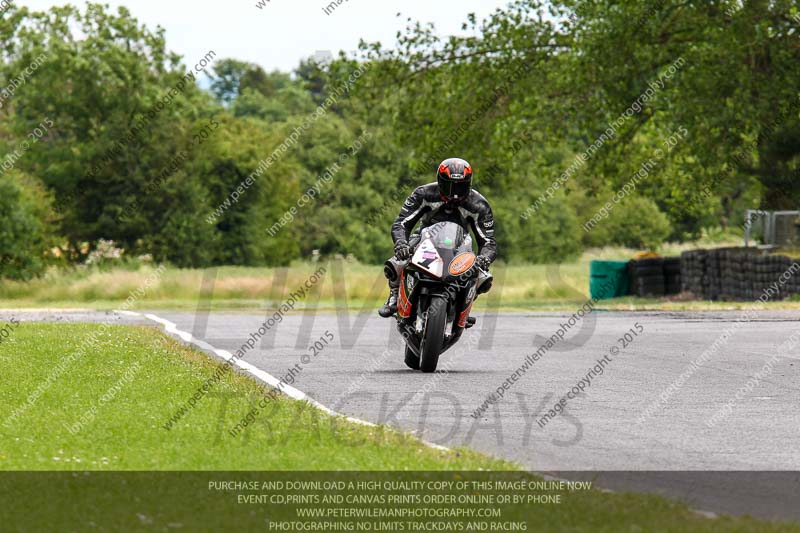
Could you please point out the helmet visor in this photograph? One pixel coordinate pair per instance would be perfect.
(454, 189)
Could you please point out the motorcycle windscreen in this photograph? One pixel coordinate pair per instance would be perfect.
(438, 246)
(444, 235)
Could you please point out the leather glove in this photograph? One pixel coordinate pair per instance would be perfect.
(482, 262)
(402, 250)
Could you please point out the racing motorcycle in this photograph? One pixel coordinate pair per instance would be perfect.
(438, 286)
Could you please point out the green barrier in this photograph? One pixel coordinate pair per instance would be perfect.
(608, 279)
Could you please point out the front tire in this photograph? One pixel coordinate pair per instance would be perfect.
(433, 335)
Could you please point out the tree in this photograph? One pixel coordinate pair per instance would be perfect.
(232, 78)
(25, 237)
(555, 73)
(227, 81)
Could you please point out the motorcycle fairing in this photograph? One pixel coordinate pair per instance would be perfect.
(403, 302)
(428, 276)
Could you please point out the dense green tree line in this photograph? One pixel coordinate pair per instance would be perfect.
(105, 134)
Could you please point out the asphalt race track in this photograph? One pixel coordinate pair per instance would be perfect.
(627, 420)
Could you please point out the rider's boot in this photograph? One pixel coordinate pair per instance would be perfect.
(390, 307)
(392, 272)
(485, 283)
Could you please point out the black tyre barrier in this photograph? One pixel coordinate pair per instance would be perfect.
(672, 266)
(734, 274)
(727, 274)
(648, 277)
(647, 270)
(651, 286)
(651, 262)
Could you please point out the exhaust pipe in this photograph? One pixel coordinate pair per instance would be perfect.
(484, 282)
(392, 269)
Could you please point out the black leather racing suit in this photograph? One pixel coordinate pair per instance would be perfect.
(426, 206)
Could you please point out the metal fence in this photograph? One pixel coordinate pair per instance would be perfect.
(774, 228)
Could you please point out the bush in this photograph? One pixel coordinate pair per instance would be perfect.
(548, 236)
(636, 222)
(105, 255)
(24, 240)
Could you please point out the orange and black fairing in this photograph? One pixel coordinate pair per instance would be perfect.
(403, 303)
(462, 318)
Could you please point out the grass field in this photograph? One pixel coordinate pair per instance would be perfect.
(151, 376)
(343, 284)
(155, 377)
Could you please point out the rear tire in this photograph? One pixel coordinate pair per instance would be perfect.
(433, 335)
(412, 361)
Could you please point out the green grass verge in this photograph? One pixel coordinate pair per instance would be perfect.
(155, 377)
(152, 376)
(563, 287)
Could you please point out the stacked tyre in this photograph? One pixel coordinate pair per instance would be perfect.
(792, 285)
(747, 262)
(737, 270)
(763, 273)
(730, 271)
(776, 273)
(672, 275)
(780, 269)
(647, 277)
(732, 274)
(742, 265)
(693, 268)
(715, 266)
(738, 274)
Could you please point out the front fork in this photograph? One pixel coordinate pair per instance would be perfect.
(424, 302)
(419, 324)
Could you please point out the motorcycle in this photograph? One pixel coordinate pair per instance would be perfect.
(437, 288)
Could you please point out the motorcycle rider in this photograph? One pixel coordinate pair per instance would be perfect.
(450, 198)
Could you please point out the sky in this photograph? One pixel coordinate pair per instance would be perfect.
(282, 32)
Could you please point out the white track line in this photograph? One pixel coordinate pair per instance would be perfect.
(257, 373)
(297, 394)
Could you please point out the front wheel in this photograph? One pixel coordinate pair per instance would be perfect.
(433, 335)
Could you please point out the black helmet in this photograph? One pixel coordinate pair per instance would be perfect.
(455, 179)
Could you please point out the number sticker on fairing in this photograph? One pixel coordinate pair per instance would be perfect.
(427, 258)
